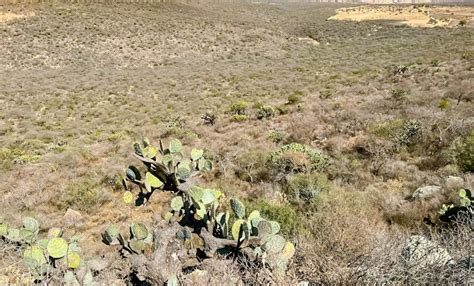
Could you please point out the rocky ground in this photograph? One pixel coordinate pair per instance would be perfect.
(391, 106)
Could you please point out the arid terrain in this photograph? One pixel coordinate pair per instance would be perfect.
(391, 107)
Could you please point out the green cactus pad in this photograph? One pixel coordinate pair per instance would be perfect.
(70, 278)
(146, 142)
(36, 253)
(150, 152)
(168, 216)
(137, 246)
(177, 203)
(208, 197)
(288, 251)
(204, 165)
(184, 170)
(238, 208)
(176, 146)
(73, 260)
(254, 215)
(275, 244)
(43, 243)
(55, 232)
(74, 247)
(13, 234)
(27, 235)
(264, 228)
(236, 228)
(196, 193)
(31, 224)
(3, 229)
(196, 154)
(151, 181)
(57, 247)
(139, 231)
(133, 174)
(127, 197)
(275, 227)
(201, 210)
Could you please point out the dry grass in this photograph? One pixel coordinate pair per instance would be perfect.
(79, 83)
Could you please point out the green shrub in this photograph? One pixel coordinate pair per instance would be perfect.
(462, 23)
(325, 93)
(84, 195)
(238, 108)
(282, 109)
(410, 134)
(209, 118)
(443, 103)
(435, 63)
(303, 188)
(298, 158)
(464, 152)
(265, 112)
(386, 129)
(239, 117)
(291, 221)
(295, 97)
(399, 94)
(276, 136)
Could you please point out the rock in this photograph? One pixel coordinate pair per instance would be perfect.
(72, 218)
(454, 183)
(426, 192)
(419, 253)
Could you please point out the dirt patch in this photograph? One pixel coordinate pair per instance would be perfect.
(8, 16)
(414, 16)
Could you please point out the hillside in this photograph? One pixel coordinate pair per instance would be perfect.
(331, 128)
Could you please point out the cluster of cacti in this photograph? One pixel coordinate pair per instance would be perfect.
(140, 238)
(295, 158)
(451, 212)
(199, 217)
(42, 255)
(264, 112)
(166, 168)
(201, 207)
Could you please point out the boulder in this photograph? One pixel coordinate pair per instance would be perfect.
(73, 218)
(426, 192)
(419, 253)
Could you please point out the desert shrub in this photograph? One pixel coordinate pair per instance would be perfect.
(298, 158)
(290, 220)
(435, 63)
(276, 136)
(176, 126)
(325, 93)
(303, 188)
(463, 152)
(295, 97)
(238, 108)
(84, 195)
(400, 69)
(462, 23)
(209, 118)
(282, 109)
(17, 156)
(443, 103)
(410, 134)
(252, 166)
(265, 112)
(386, 129)
(239, 118)
(399, 94)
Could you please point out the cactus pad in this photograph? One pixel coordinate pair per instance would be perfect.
(137, 246)
(57, 247)
(196, 154)
(36, 253)
(150, 152)
(31, 224)
(208, 197)
(275, 227)
(275, 244)
(133, 174)
(288, 251)
(55, 232)
(238, 208)
(3, 229)
(127, 197)
(177, 203)
(151, 181)
(236, 228)
(73, 260)
(175, 146)
(139, 231)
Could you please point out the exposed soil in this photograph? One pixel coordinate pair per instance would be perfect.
(414, 16)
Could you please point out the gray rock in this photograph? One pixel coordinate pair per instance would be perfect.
(426, 192)
(454, 183)
(419, 253)
(73, 218)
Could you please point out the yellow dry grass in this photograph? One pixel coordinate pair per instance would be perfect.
(409, 15)
(9, 16)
